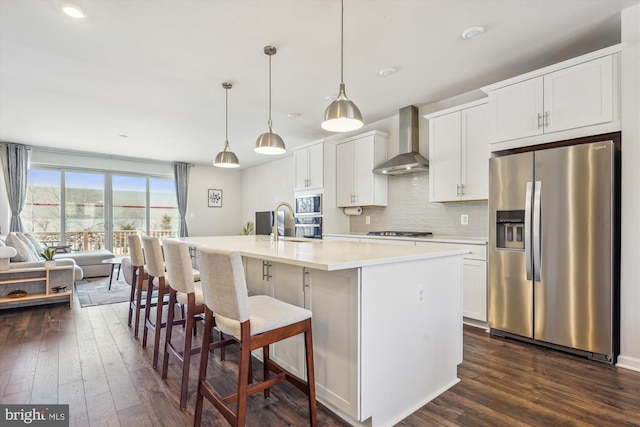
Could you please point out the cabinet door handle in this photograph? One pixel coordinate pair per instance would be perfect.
(461, 189)
(458, 190)
(265, 270)
(546, 119)
(539, 118)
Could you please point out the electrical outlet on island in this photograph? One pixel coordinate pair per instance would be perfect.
(367, 219)
(464, 219)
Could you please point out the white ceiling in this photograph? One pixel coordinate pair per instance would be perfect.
(153, 70)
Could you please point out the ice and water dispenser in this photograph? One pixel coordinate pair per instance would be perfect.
(510, 229)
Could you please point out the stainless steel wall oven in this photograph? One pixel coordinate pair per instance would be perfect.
(308, 216)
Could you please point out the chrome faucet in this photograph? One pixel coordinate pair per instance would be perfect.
(275, 220)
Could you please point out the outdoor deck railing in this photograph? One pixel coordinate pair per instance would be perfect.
(91, 240)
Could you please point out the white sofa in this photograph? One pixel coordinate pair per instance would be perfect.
(28, 251)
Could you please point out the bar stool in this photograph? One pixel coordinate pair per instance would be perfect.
(255, 322)
(183, 289)
(155, 270)
(137, 278)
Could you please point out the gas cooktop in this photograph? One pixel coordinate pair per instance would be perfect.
(401, 233)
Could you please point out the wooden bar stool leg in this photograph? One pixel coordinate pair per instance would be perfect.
(147, 307)
(186, 355)
(167, 340)
(243, 375)
(147, 312)
(204, 361)
(132, 296)
(158, 326)
(311, 378)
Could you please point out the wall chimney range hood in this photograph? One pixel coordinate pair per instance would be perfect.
(409, 160)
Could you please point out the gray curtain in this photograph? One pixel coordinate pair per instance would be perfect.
(15, 163)
(181, 178)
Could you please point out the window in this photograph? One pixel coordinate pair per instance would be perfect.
(88, 210)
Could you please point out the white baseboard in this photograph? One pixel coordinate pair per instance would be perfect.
(628, 362)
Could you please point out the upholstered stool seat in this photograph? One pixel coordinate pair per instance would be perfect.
(183, 297)
(267, 314)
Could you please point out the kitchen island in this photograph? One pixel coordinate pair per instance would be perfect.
(387, 319)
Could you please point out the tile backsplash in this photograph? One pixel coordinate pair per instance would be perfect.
(408, 209)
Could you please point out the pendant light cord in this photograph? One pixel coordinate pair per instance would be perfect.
(270, 123)
(341, 41)
(226, 114)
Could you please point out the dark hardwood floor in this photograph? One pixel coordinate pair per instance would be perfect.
(89, 359)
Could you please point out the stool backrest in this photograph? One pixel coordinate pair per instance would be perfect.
(153, 255)
(135, 250)
(224, 287)
(178, 263)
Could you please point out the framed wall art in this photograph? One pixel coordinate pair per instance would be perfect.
(215, 198)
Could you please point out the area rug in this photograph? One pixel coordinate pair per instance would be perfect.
(95, 291)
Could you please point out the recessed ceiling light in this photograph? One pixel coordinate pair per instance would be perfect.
(387, 71)
(330, 97)
(73, 10)
(472, 32)
(293, 115)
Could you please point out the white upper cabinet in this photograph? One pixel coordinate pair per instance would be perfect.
(579, 96)
(571, 99)
(309, 164)
(459, 153)
(516, 110)
(356, 157)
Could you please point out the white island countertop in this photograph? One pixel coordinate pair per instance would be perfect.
(320, 254)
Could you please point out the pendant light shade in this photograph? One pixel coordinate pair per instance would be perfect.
(270, 142)
(342, 115)
(226, 158)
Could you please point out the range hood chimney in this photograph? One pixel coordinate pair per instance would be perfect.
(409, 160)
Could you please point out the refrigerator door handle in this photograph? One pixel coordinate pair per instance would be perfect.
(527, 230)
(537, 232)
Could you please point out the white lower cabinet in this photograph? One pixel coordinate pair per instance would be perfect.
(289, 286)
(474, 279)
(474, 289)
(333, 298)
(334, 302)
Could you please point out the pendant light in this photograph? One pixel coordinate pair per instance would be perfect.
(226, 158)
(270, 142)
(342, 115)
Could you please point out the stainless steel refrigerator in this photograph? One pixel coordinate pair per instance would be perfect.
(553, 248)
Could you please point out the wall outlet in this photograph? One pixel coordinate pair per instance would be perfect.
(367, 219)
(420, 293)
(464, 219)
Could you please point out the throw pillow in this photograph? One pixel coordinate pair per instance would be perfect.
(35, 254)
(2, 244)
(23, 252)
(37, 246)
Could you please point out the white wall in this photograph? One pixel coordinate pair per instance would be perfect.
(267, 185)
(630, 267)
(223, 221)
